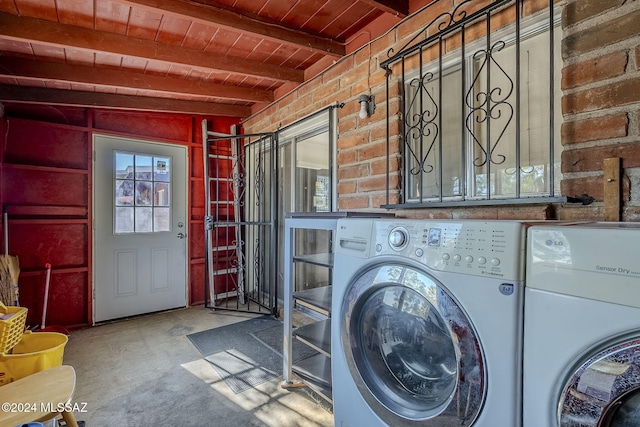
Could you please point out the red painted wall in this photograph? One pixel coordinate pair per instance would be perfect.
(45, 183)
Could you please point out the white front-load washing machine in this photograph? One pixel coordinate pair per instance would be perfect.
(582, 326)
(427, 323)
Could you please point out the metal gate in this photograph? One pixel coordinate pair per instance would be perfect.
(240, 221)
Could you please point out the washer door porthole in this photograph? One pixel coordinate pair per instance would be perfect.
(411, 349)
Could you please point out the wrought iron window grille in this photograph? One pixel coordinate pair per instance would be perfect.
(489, 166)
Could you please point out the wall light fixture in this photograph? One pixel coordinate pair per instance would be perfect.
(367, 106)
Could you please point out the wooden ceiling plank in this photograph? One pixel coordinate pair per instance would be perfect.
(108, 60)
(17, 48)
(212, 15)
(394, 7)
(9, 6)
(8, 81)
(251, 6)
(47, 32)
(338, 9)
(120, 102)
(172, 30)
(75, 13)
(153, 68)
(198, 36)
(79, 57)
(48, 52)
(111, 17)
(56, 72)
(44, 9)
(58, 85)
(274, 10)
(144, 23)
(27, 83)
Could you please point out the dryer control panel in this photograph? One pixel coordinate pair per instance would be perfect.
(598, 261)
(483, 248)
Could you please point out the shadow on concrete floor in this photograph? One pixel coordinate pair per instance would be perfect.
(146, 372)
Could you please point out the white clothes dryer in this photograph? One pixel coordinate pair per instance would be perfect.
(582, 326)
(427, 323)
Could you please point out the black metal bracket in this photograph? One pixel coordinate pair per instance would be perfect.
(585, 199)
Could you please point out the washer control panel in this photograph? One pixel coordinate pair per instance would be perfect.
(483, 248)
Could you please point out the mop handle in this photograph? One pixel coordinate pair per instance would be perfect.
(5, 220)
(46, 294)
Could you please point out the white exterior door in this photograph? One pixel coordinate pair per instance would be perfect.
(140, 198)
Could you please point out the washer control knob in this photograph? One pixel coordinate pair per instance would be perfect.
(457, 257)
(446, 256)
(419, 252)
(468, 258)
(398, 238)
(495, 261)
(482, 260)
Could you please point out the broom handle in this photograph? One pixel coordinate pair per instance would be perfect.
(46, 295)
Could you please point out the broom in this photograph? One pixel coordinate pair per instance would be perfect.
(6, 287)
(13, 265)
(9, 266)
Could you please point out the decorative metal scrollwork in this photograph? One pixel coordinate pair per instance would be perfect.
(238, 262)
(421, 124)
(257, 263)
(445, 21)
(237, 183)
(457, 131)
(489, 105)
(452, 18)
(259, 180)
(237, 187)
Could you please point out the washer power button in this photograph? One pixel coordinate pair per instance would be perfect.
(398, 238)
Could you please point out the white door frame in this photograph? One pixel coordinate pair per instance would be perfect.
(93, 204)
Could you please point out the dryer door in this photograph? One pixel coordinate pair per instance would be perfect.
(411, 349)
(604, 391)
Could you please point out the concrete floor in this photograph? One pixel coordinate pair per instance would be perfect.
(146, 372)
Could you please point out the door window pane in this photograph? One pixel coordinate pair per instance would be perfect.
(143, 167)
(161, 194)
(123, 220)
(161, 219)
(143, 220)
(161, 169)
(142, 182)
(124, 192)
(143, 194)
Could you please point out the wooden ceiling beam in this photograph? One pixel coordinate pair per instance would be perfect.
(55, 71)
(395, 7)
(32, 95)
(214, 15)
(61, 35)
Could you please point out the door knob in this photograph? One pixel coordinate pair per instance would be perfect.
(181, 236)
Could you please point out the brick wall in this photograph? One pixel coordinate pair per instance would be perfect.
(601, 108)
(601, 84)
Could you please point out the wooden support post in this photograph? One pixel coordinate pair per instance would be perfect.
(612, 189)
